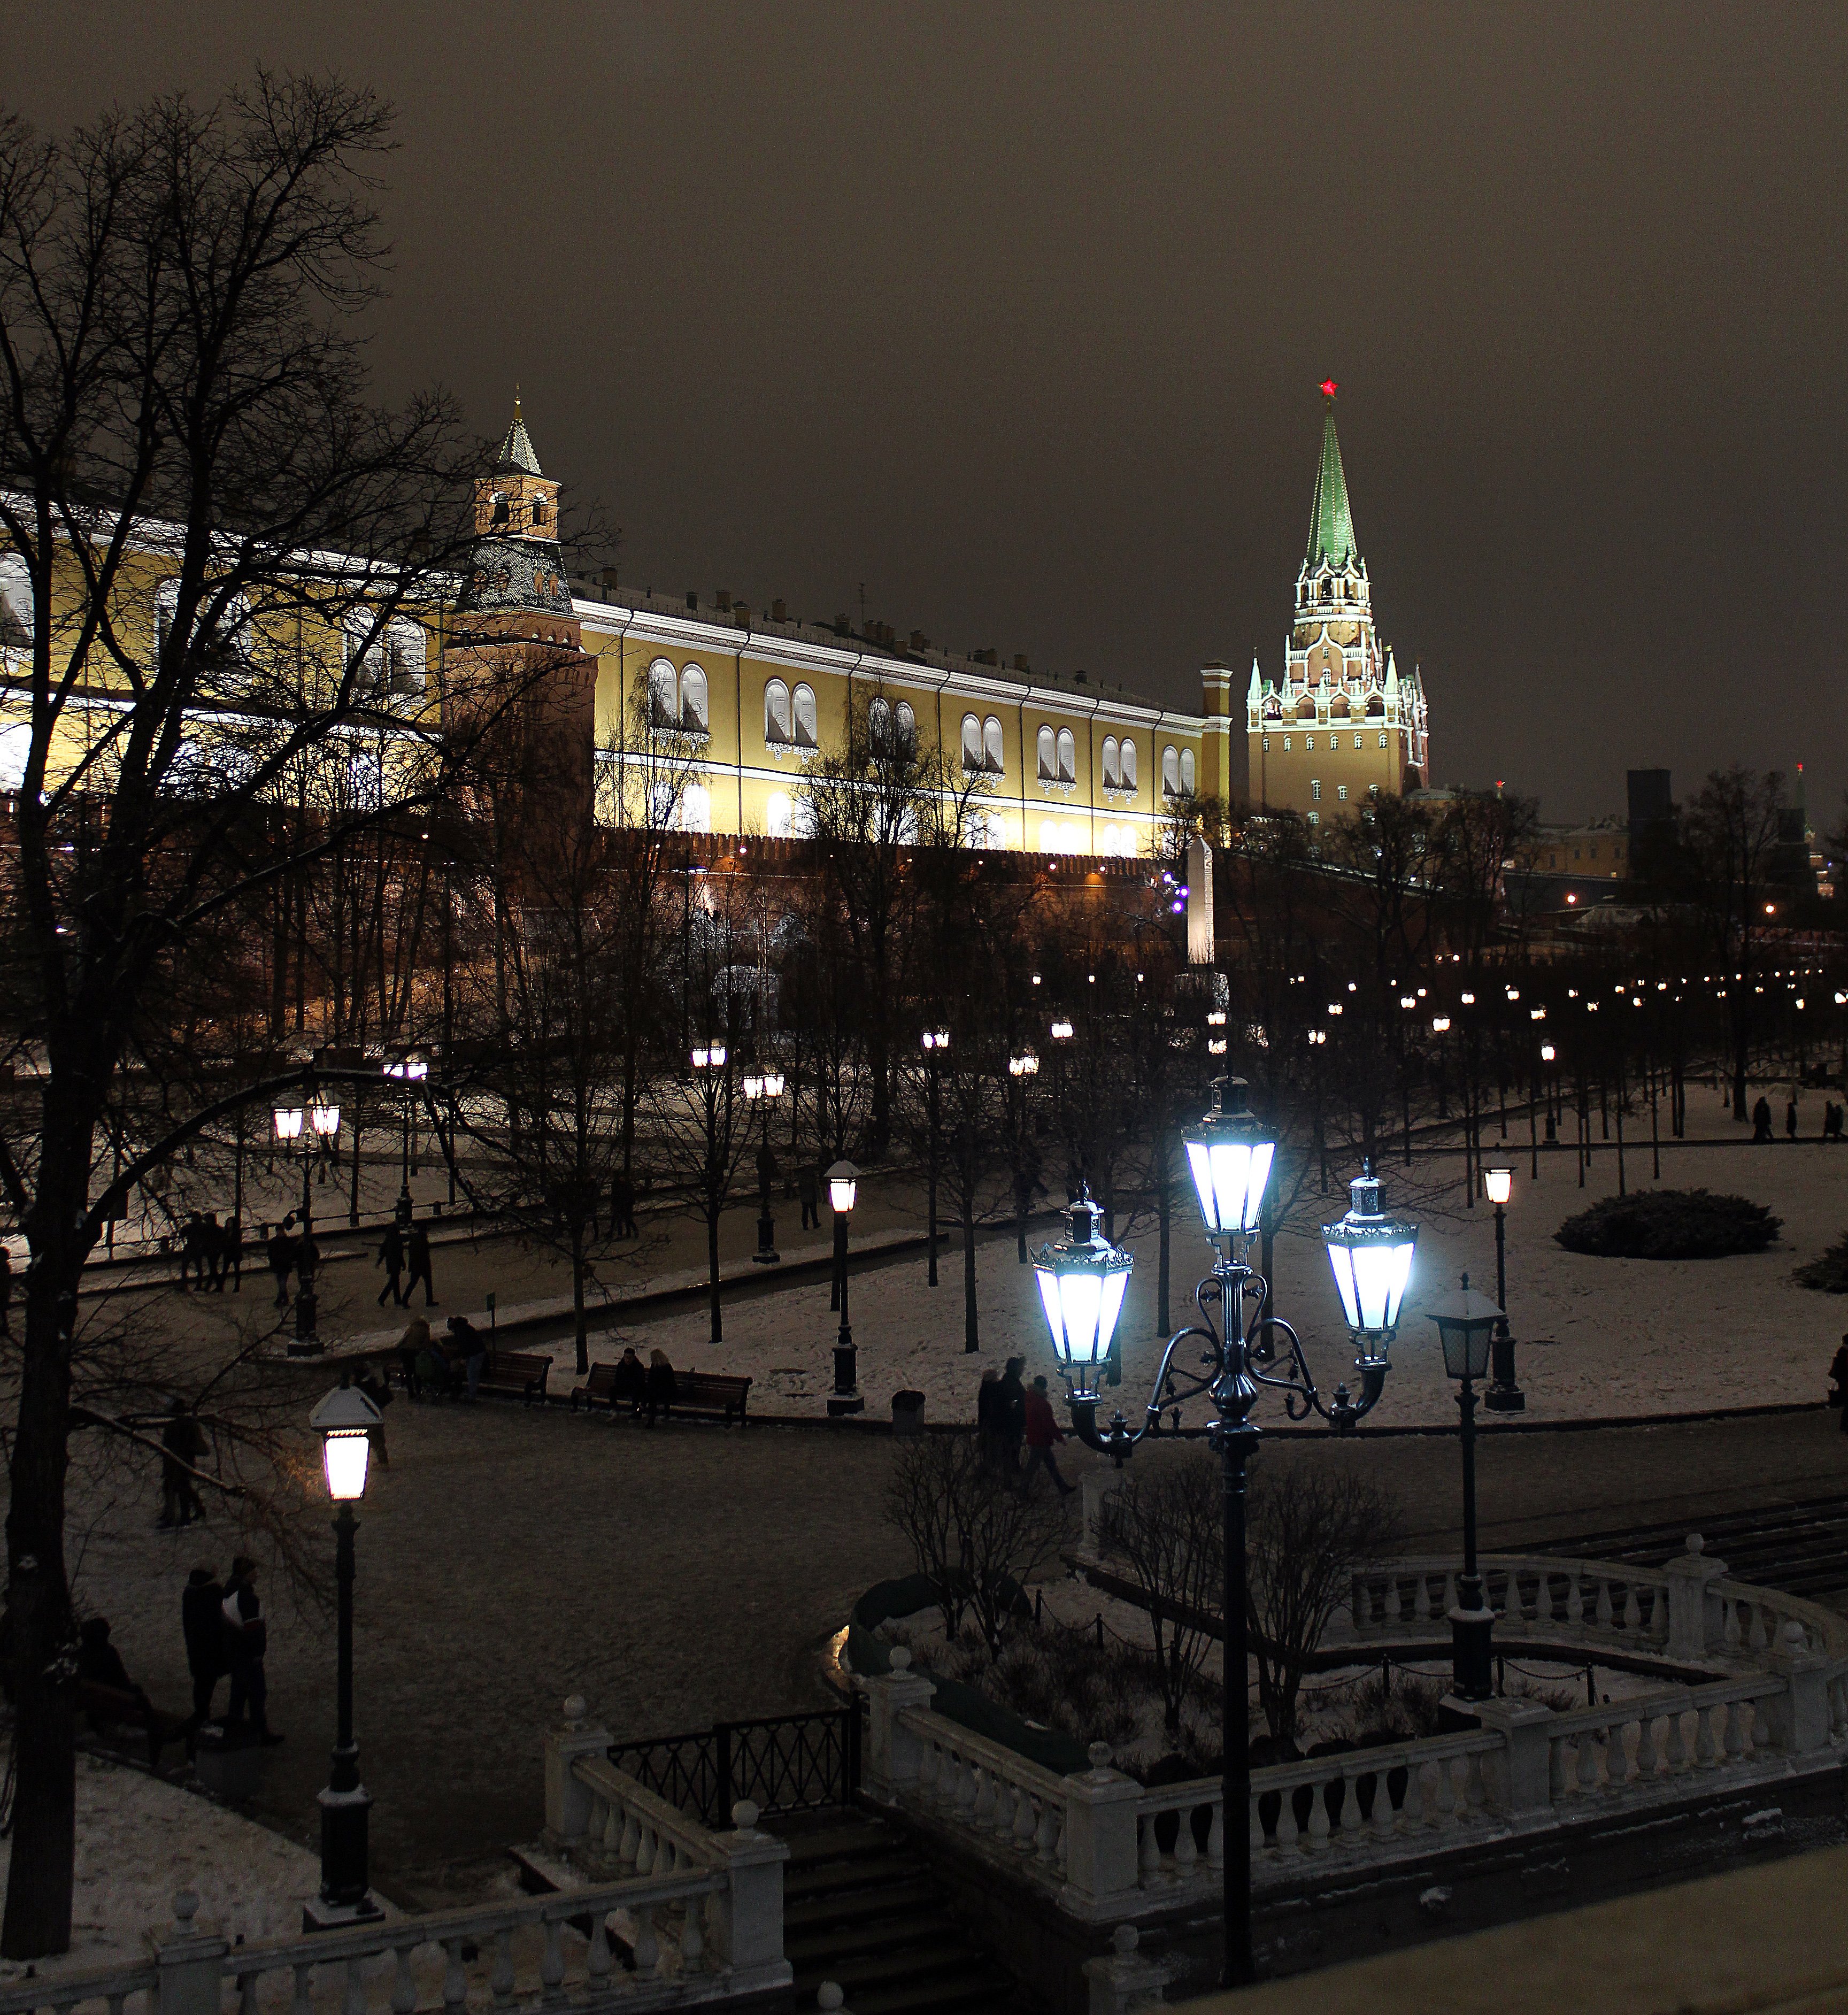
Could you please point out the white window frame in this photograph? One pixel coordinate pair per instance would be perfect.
(1068, 746)
(696, 708)
(802, 705)
(1047, 747)
(994, 747)
(664, 696)
(778, 721)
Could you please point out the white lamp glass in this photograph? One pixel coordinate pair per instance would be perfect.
(289, 1123)
(1229, 1154)
(843, 1186)
(1499, 1183)
(753, 1084)
(1465, 1322)
(326, 1119)
(1370, 1256)
(773, 1084)
(1081, 1281)
(345, 1454)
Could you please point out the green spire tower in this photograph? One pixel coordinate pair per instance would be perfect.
(1331, 522)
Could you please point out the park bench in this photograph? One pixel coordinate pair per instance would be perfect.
(107, 1708)
(516, 1373)
(599, 1384)
(711, 1393)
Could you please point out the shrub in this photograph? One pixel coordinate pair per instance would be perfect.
(1830, 1273)
(1670, 1224)
(1057, 1676)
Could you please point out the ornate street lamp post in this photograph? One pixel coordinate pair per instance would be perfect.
(323, 1123)
(1504, 1395)
(1465, 1323)
(843, 1188)
(765, 1087)
(344, 1421)
(936, 1043)
(406, 1072)
(1082, 1282)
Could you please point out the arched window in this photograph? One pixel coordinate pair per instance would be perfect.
(1383, 739)
(500, 511)
(16, 746)
(692, 701)
(779, 815)
(879, 727)
(1110, 767)
(664, 696)
(696, 808)
(991, 741)
(1187, 771)
(1049, 758)
(407, 655)
(804, 699)
(16, 606)
(1067, 757)
(776, 711)
(1128, 757)
(907, 723)
(539, 510)
(167, 603)
(971, 742)
(1171, 771)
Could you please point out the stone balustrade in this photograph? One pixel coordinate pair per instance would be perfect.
(1107, 1848)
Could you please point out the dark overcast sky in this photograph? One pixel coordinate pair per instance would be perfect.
(1016, 313)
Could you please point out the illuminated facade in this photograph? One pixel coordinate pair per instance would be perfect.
(1343, 724)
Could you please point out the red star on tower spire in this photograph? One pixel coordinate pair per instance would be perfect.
(1327, 388)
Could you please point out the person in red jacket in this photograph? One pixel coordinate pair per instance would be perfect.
(1042, 1437)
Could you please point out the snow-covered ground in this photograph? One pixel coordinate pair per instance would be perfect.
(1598, 1337)
(140, 1841)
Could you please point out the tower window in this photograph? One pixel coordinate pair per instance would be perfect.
(1308, 741)
(539, 510)
(1287, 741)
(1267, 744)
(1356, 741)
(1316, 789)
(1314, 818)
(1383, 740)
(499, 511)
(1341, 793)
(692, 700)
(1048, 745)
(1187, 771)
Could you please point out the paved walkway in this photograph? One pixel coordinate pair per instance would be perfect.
(509, 1558)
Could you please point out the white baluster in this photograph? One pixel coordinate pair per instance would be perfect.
(1450, 1591)
(1150, 1853)
(600, 1961)
(1575, 1598)
(1288, 1839)
(631, 1838)
(692, 1942)
(303, 2003)
(1732, 1729)
(353, 2000)
(1446, 1794)
(1758, 1640)
(1350, 1819)
(1645, 1749)
(982, 1811)
(1216, 1835)
(1604, 1608)
(500, 1973)
(1392, 1608)
(647, 1950)
(1732, 1622)
(404, 1986)
(1543, 1598)
(1045, 1838)
(1659, 1615)
(455, 1976)
(612, 1830)
(1026, 1823)
(1259, 1844)
(1421, 1597)
(1411, 1810)
(1587, 1761)
(1703, 1738)
(1475, 1792)
(1385, 1818)
(645, 1854)
(1187, 1849)
(1632, 1611)
(1318, 1819)
(1763, 1741)
(1555, 1769)
(1616, 1757)
(551, 1965)
(1674, 1756)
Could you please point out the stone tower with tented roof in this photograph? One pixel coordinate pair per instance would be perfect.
(1343, 723)
(517, 646)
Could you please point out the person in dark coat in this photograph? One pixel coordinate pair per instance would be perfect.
(1761, 1119)
(280, 1253)
(246, 1636)
(659, 1389)
(202, 1624)
(230, 1255)
(192, 1251)
(467, 1343)
(99, 1665)
(990, 1422)
(621, 1207)
(1790, 1120)
(416, 1246)
(412, 1345)
(628, 1382)
(183, 1442)
(391, 1257)
(1012, 1401)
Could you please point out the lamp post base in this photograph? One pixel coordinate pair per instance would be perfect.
(345, 1896)
(845, 1398)
(767, 1254)
(1472, 1653)
(306, 1343)
(1503, 1396)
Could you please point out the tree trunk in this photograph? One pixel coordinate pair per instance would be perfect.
(1164, 1218)
(713, 1208)
(579, 1329)
(972, 1326)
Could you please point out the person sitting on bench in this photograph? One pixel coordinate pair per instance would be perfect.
(659, 1390)
(628, 1382)
(110, 1697)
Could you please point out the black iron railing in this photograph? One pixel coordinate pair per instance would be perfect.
(787, 1763)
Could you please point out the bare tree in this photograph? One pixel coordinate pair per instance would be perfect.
(1166, 1525)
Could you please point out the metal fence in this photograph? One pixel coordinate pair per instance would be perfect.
(786, 1763)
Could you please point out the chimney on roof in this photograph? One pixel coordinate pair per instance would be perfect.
(918, 640)
(1079, 678)
(722, 598)
(741, 611)
(1020, 661)
(990, 657)
(693, 597)
(842, 626)
(779, 612)
(608, 579)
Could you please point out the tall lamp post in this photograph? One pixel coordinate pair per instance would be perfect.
(843, 1187)
(1082, 1282)
(765, 1087)
(344, 1421)
(1022, 1069)
(1465, 1322)
(1504, 1395)
(406, 1073)
(936, 1043)
(323, 1121)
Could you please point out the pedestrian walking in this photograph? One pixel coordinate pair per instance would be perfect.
(202, 1624)
(1790, 1120)
(990, 1423)
(660, 1388)
(1013, 1404)
(182, 1442)
(230, 1255)
(809, 1187)
(621, 1207)
(1042, 1436)
(246, 1639)
(1761, 1120)
(192, 1253)
(416, 1247)
(280, 1253)
(391, 1257)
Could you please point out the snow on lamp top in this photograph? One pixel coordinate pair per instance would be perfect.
(1081, 1281)
(1229, 1153)
(1371, 1257)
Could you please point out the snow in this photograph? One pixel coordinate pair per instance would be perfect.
(1596, 1338)
(141, 1839)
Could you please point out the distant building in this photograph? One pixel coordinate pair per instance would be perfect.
(1599, 852)
(1343, 724)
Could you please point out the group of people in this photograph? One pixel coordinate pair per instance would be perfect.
(447, 1366)
(1011, 1416)
(211, 1252)
(290, 1251)
(406, 1246)
(1833, 1116)
(645, 1389)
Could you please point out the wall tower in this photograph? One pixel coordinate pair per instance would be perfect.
(1343, 723)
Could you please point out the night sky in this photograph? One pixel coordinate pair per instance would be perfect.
(1016, 315)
